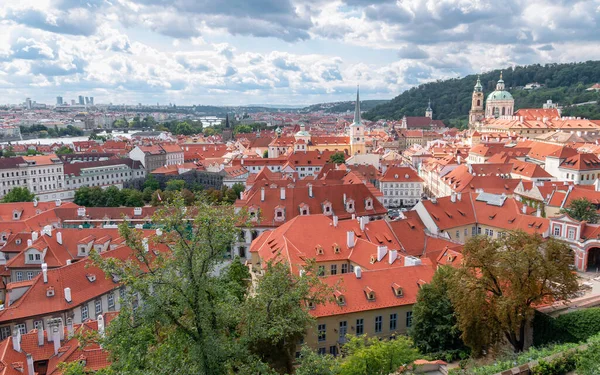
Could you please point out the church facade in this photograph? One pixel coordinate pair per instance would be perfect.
(498, 103)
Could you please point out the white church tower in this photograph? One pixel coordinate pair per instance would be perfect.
(357, 130)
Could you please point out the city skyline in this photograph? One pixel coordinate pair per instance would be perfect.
(273, 52)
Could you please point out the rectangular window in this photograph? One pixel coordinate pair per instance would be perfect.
(360, 326)
(408, 319)
(322, 332)
(378, 323)
(84, 313)
(345, 268)
(333, 350)
(473, 231)
(343, 329)
(478, 230)
(21, 327)
(334, 269)
(571, 233)
(4, 332)
(38, 324)
(29, 275)
(19, 276)
(322, 351)
(111, 301)
(122, 293)
(557, 231)
(393, 321)
(466, 232)
(98, 305)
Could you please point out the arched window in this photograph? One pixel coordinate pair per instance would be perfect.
(503, 111)
(478, 102)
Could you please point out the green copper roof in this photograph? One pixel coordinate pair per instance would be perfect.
(478, 86)
(500, 95)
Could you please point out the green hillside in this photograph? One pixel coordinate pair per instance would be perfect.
(565, 84)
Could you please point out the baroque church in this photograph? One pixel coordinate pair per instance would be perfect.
(498, 103)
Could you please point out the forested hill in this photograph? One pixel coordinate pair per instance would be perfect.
(565, 84)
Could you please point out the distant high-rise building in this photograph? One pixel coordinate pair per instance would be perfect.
(81, 102)
(59, 100)
(91, 100)
(87, 100)
(28, 103)
(72, 101)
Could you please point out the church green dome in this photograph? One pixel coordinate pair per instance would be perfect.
(500, 95)
(302, 133)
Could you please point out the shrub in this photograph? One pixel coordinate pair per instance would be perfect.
(557, 366)
(572, 327)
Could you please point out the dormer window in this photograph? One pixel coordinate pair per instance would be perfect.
(369, 293)
(336, 248)
(18, 241)
(339, 298)
(91, 277)
(279, 214)
(253, 213)
(319, 249)
(369, 203)
(327, 209)
(398, 292)
(350, 205)
(16, 214)
(310, 305)
(303, 209)
(137, 211)
(82, 250)
(50, 291)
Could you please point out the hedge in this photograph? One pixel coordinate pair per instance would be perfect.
(576, 326)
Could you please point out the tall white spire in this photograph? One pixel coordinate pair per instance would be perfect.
(357, 108)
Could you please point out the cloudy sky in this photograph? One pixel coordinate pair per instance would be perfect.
(274, 51)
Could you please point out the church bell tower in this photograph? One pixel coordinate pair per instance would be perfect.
(476, 114)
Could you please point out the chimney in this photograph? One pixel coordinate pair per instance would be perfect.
(458, 159)
(16, 340)
(262, 194)
(524, 210)
(57, 202)
(358, 272)
(335, 221)
(68, 262)
(361, 223)
(45, 272)
(381, 251)
(29, 242)
(40, 333)
(101, 325)
(34, 236)
(310, 192)
(68, 295)
(459, 196)
(35, 202)
(538, 213)
(30, 365)
(59, 238)
(350, 239)
(453, 197)
(393, 255)
(56, 339)
(282, 193)
(70, 327)
(344, 198)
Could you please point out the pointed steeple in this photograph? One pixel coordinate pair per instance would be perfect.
(357, 109)
(429, 105)
(478, 86)
(227, 121)
(500, 84)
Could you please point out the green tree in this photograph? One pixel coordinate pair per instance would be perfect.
(175, 185)
(132, 198)
(434, 327)
(151, 182)
(238, 187)
(337, 158)
(82, 196)
(582, 209)
(371, 356)
(32, 152)
(113, 197)
(265, 154)
(64, 150)
(272, 320)
(311, 363)
(9, 152)
(238, 277)
(18, 194)
(184, 128)
(209, 131)
(243, 129)
(187, 314)
(501, 280)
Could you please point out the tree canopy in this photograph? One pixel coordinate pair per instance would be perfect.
(500, 281)
(435, 328)
(583, 210)
(337, 158)
(18, 194)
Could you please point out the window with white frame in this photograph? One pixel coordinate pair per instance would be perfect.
(19, 276)
(38, 324)
(111, 301)
(571, 233)
(557, 230)
(21, 327)
(98, 306)
(84, 313)
(4, 332)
